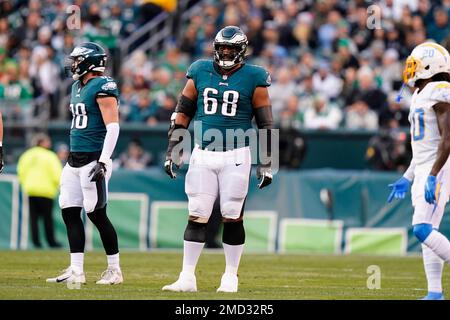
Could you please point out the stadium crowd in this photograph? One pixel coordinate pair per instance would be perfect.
(334, 63)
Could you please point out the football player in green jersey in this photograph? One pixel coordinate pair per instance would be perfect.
(222, 95)
(84, 180)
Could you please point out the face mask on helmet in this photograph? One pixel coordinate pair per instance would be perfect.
(72, 68)
(227, 56)
(411, 67)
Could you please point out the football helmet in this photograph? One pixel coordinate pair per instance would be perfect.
(426, 60)
(235, 40)
(86, 57)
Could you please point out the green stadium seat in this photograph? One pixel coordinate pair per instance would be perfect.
(260, 231)
(310, 236)
(376, 241)
(128, 213)
(167, 223)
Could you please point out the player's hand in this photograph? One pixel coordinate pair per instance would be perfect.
(430, 189)
(1, 159)
(168, 167)
(399, 189)
(265, 175)
(97, 172)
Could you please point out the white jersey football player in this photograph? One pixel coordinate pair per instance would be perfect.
(428, 71)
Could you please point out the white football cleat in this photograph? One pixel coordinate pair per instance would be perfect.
(229, 283)
(111, 276)
(186, 283)
(69, 275)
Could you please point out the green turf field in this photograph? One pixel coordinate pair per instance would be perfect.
(23, 274)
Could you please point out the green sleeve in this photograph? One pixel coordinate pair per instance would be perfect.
(193, 70)
(108, 87)
(262, 78)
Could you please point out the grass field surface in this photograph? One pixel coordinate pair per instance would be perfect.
(266, 277)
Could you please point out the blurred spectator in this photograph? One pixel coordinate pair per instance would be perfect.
(163, 84)
(129, 17)
(323, 115)
(367, 91)
(138, 63)
(395, 115)
(325, 83)
(282, 88)
(359, 116)
(39, 171)
(142, 110)
(290, 115)
(327, 32)
(391, 71)
(439, 28)
(305, 94)
(135, 158)
(164, 112)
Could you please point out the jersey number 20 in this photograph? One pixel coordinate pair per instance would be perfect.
(80, 119)
(229, 105)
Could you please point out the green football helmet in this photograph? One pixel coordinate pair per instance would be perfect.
(86, 57)
(233, 38)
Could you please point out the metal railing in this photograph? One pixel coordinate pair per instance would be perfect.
(150, 37)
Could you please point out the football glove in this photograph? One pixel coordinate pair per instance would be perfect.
(430, 189)
(399, 189)
(168, 167)
(265, 175)
(97, 172)
(1, 159)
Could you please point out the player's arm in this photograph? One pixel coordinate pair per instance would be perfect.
(109, 109)
(443, 116)
(442, 111)
(1, 142)
(184, 112)
(262, 110)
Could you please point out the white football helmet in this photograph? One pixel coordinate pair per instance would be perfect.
(426, 60)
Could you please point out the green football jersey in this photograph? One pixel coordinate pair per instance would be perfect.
(87, 132)
(225, 102)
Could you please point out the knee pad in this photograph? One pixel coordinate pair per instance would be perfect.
(422, 231)
(233, 233)
(195, 232)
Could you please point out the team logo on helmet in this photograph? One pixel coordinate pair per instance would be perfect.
(84, 58)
